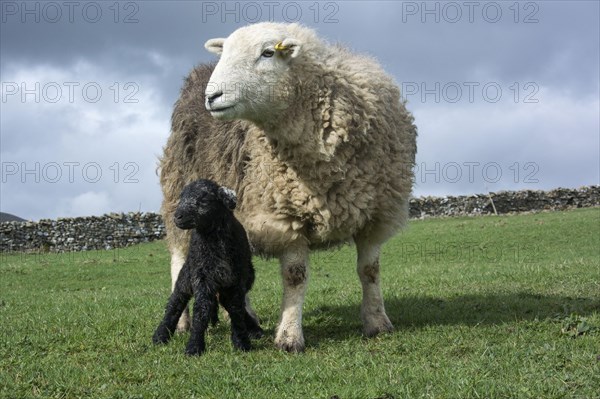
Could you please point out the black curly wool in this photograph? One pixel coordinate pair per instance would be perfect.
(218, 268)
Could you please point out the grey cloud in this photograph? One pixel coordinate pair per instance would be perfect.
(558, 53)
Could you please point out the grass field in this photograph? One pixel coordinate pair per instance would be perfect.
(486, 307)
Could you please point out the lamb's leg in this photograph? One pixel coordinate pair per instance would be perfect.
(250, 316)
(177, 261)
(233, 302)
(252, 322)
(294, 272)
(214, 313)
(249, 309)
(204, 303)
(372, 311)
(177, 303)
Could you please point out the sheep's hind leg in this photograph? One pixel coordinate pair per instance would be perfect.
(233, 302)
(294, 271)
(252, 321)
(177, 261)
(372, 311)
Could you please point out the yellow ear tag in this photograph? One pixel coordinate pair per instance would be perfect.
(280, 47)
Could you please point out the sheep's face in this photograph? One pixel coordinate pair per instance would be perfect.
(252, 79)
(201, 203)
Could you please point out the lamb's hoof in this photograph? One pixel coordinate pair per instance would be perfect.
(256, 333)
(290, 343)
(241, 342)
(253, 326)
(377, 326)
(243, 346)
(195, 350)
(159, 340)
(161, 336)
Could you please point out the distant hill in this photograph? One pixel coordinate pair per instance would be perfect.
(7, 217)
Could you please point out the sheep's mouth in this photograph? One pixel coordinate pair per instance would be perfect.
(220, 109)
(221, 112)
(185, 224)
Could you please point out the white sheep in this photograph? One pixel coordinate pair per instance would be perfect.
(316, 142)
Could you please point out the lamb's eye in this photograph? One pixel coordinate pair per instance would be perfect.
(268, 53)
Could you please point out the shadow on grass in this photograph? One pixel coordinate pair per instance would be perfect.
(342, 322)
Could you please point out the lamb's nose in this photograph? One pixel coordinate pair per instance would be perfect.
(210, 98)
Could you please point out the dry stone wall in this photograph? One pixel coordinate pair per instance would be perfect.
(504, 202)
(109, 231)
(120, 230)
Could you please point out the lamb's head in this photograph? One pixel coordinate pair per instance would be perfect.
(203, 202)
(255, 76)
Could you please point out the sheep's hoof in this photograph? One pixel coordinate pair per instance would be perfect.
(289, 343)
(377, 326)
(291, 347)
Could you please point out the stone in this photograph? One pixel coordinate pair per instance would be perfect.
(116, 230)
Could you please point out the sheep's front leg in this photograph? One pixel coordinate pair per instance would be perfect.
(294, 272)
(204, 304)
(177, 303)
(372, 311)
(177, 261)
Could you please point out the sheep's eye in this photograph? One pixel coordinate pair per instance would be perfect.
(268, 53)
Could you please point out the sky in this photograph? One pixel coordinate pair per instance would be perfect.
(505, 94)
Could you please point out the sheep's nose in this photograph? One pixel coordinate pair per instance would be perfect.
(210, 98)
(182, 220)
(178, 218)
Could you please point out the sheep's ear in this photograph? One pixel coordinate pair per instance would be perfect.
(215, 46)
(228, 197)
(289, 48)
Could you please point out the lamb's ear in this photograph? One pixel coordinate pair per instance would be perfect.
(215, 46)
(228, 197)
(289, 48)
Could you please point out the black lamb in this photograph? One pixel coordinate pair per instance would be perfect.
(218, 268)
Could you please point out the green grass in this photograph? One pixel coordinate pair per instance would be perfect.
(486, 307)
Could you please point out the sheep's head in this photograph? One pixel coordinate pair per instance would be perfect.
(255, 73)
(201, 203)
